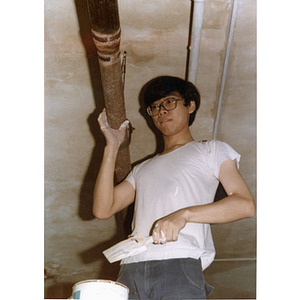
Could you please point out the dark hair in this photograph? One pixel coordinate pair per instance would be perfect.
(164, 86)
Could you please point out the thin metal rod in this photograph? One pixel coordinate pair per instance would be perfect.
(195, 38)
(225, 68)
(235, 259)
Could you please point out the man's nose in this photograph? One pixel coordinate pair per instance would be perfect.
(162, 110)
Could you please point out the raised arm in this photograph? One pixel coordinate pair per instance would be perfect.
(238, 205)
(109, 199)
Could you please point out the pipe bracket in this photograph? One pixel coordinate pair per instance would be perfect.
(127, 142)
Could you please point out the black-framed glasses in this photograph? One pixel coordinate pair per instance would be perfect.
(167, 104)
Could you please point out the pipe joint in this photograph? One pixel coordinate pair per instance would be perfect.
(108, 46)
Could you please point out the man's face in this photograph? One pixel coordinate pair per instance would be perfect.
(172, 122)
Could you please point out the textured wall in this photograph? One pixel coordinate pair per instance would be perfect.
(155, 37)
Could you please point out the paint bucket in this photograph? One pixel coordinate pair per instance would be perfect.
(99, 289)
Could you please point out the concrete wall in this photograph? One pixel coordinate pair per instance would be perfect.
(155, 37)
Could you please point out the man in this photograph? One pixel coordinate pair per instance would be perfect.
(173, 193)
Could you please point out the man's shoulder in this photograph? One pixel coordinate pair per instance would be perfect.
(210, 143)
(210, 146)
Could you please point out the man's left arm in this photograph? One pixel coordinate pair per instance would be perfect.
(239, 204)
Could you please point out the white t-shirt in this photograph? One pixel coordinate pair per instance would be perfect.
(187, 176)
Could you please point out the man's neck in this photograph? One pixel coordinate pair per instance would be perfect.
(173, 142)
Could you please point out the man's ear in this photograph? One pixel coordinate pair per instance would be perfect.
(192, 106)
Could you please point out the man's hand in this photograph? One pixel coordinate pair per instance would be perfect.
(114, 137)
(167, 228)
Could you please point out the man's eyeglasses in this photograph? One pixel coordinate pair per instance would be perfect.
(167, 104)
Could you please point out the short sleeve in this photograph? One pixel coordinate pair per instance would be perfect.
(219, 152)
(131, 179)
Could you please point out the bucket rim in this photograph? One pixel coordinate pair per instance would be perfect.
(101, 280)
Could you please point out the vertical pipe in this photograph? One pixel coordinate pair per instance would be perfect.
(195, 38)
(225, 68)
(106, 32)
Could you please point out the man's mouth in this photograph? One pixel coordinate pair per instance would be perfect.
(165, 121)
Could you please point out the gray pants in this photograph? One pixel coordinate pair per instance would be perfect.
(165, 279)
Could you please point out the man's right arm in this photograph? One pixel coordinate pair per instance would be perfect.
(109, 199)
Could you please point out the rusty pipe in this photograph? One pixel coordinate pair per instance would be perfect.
(106, 33)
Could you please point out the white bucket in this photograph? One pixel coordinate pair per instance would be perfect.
(99, 289)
